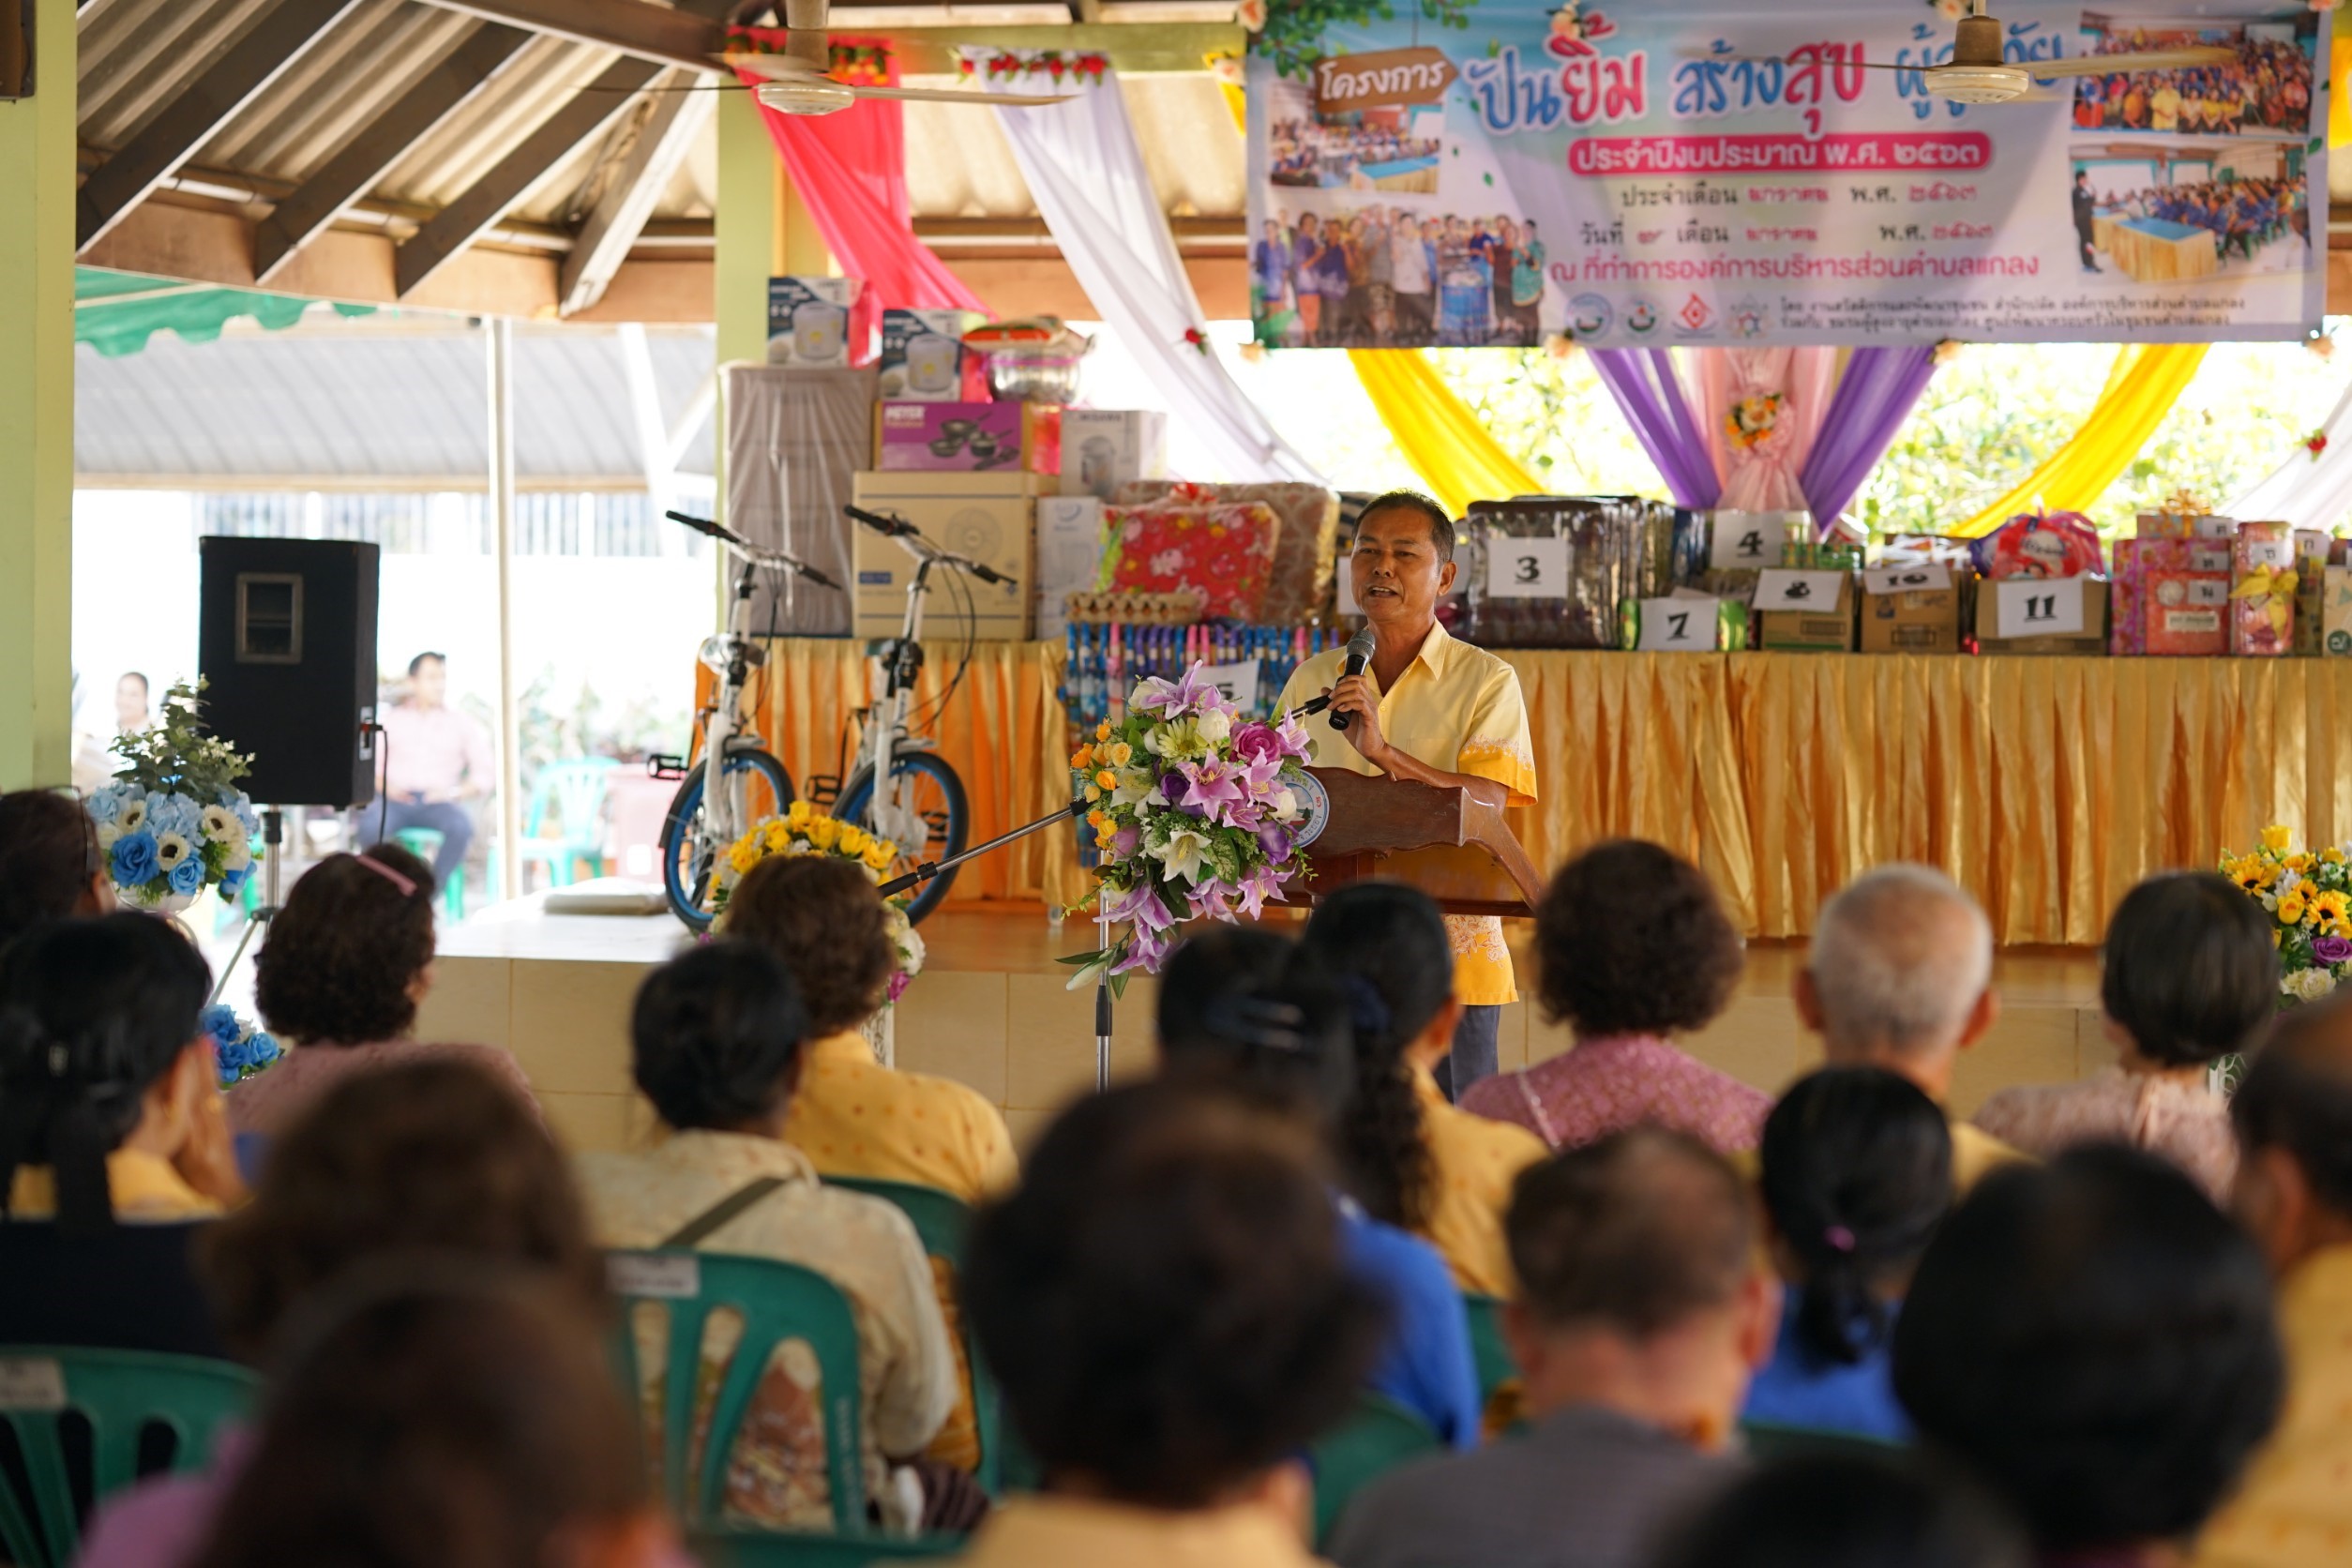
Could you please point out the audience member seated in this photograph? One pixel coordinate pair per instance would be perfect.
(1848, 1511)
(49, 864)
(1167, 1300)
(434, 1416)
(1391, 939)
(2294, 1116)
(716, 1047)
(851, 1115)
(426, 1158)
(2189, 974)
(2096, 1342)
(1634, 947)
(1641, 1313)
(339, 976)
(113, 1148)
(1857, 1174)
(1901, 976)
(1243, 1007)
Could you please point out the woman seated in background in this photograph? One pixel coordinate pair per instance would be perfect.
(339, 975)
(851, 1115)
(1633, 948)
(444, 1414)
(1167, 1300)
(1857, 1174)
(1847, 1510)
(113, 1148)
(2188, 974)
(427, 1159)
(1412, 1159)
(1242, 1007)
(49, 864)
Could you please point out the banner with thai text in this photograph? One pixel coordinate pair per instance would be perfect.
(1653, 173)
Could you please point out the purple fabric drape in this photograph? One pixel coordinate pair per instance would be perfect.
(1645, 388)
(1873, 399)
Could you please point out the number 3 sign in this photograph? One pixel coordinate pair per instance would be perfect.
(1527, 568)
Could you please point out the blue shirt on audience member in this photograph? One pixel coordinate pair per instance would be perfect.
(1799, 1389)
(1426, 1367)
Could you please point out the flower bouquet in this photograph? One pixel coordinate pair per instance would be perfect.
(1196, 812)
(173, 821)
(804, 830)
(239, 1048)
(2310, 896)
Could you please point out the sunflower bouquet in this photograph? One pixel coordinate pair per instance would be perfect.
(2308, 894)
(804, 830)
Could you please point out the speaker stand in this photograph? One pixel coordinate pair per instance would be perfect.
(273, 838)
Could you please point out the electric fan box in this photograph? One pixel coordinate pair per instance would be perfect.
(990, 518)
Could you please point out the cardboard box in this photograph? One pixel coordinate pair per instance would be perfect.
(1827, 630)
(2335, 612)
(1914, 621)
(988, 517)
(1103, 448)
(1069, 558)
(2092, 639)
(922, 357)
(808, 323)
(968, 438)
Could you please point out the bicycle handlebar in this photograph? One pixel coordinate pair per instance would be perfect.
(751, 552)
(910, 537)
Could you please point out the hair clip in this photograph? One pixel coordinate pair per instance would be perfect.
(1256, 1021)
(406, 884)
(1368, 1011)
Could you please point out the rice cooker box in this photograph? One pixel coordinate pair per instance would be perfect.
(1103, 448)
(809, 322)
(924, 359)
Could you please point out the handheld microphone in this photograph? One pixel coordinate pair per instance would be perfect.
(1359, 648)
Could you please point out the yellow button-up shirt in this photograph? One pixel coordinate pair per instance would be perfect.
(1050, 1531)
(2294, 1510)
(145, 1188)
(852, 1116)
(1458, 708)
(1475, 1162)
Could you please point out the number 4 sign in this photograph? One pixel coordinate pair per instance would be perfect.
(2039, 606)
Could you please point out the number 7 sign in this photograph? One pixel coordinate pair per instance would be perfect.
(1678, 625)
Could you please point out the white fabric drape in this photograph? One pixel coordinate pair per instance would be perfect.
(1085, 170)
(2307, 493)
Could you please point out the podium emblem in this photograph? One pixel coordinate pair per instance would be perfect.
(1315, 801)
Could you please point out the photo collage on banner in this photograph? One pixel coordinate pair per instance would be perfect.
(1662, 173)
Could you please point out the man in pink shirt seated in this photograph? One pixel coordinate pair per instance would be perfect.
(433, 760)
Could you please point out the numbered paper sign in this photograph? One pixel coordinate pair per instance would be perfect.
(1907, 580)
(1749, 539)
(1238, 681)
(2039, 606)
(1527, 568)
(1784, 588)
(1685, 625)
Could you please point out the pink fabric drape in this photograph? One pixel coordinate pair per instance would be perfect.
(850, 171)
(1763, 478)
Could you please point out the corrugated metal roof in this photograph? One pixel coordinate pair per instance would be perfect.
(393, 400)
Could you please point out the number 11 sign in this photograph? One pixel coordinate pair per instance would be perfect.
(2039, 606)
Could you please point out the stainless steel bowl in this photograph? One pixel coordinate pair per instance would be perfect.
(1040, 372)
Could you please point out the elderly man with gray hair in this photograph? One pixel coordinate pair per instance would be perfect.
(1901, 978)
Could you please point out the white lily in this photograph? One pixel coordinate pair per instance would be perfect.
(1181, 854)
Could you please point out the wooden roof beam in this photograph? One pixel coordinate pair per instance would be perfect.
(677, 116)
(686, 37)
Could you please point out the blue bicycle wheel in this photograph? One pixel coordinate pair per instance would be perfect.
(762, 789)
(930, 795)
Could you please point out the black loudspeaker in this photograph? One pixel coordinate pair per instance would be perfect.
(287, 644)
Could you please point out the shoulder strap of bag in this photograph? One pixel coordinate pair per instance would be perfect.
(692, 1232)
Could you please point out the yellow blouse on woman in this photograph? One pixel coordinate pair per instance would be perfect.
(147, 1189)
(1474, 1162)
(1458, 708)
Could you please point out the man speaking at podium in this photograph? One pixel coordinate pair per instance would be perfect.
(1431, 709)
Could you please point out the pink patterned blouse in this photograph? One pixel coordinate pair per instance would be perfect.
(1616, 1081)
(2184, 1121)
(270, 1100)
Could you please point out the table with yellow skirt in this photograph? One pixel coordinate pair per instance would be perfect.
(2046, 786)
(2153, 251)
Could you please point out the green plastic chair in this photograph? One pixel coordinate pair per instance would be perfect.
(575, 788)
(425, 843)
(1379, 1436)
(941, 1221)
(1767, 1439)
(120, 1394)
(769, 1548)
(777, 1302)
(1488, 1353)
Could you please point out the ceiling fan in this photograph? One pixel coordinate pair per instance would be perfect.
(1977, 73)
(796, 82)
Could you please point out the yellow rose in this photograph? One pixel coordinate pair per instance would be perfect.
(1120, 754)
(1093, 792)
(2291, 908)
(2275, 839)
(2332, 855)
(1102, 730)
(2299, 864)
(853, 839)
(1104, 837)
(778, 836)
(879, 854)
(743, 857)
(798, 813)
(1106, 779)
(824, 831)
(2278, 937)
(1082, 759)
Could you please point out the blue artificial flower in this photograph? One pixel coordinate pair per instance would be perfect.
(105, 803)
(187, 877)
(134, 858)
(242, 804)
(175, 813)
(219, 1021)
(232, 883)
(265, 1048)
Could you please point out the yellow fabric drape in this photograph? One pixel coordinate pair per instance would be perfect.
(2339, 77)
(1439, 436)
(2146, 381)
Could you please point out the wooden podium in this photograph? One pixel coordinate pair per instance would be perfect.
(1453, 844)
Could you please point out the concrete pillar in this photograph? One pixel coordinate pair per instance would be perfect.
(37, 170)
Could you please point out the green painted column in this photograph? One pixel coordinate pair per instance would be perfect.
(37, 170)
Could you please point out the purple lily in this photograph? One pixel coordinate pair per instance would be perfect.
(1177, 699)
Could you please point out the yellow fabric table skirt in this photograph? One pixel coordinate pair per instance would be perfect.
(2046, 785)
